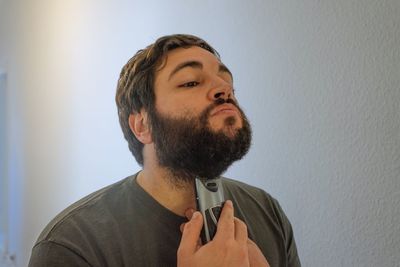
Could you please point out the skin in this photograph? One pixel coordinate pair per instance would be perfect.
(230, 246)
(189, 81)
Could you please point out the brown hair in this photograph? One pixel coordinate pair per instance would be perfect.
(135, 90)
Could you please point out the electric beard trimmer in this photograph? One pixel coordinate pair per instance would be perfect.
(210, 199)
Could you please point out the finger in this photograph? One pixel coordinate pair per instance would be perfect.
(226, 226)
(182, 226)
(190, 235)
(241, 235)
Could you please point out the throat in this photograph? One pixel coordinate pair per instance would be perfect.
(175, 195)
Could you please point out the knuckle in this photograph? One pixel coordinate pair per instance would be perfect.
(243, 252)
(230, 245)
(232, 250)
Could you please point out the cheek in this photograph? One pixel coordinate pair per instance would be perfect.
(177, 110)
(180, 107)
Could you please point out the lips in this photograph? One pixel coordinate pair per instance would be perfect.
(225, 109)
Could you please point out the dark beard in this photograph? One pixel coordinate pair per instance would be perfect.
(189, 148)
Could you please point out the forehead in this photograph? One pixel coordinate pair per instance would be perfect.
(175, 57)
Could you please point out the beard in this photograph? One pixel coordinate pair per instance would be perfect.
(189, 148)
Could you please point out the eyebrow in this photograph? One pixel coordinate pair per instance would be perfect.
(196, 65)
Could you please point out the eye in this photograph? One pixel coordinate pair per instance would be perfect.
(190, 84)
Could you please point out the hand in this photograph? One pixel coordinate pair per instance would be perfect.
(256, 257)
(230, 246)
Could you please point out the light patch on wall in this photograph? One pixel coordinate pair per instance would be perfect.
(6, 259)
(3, 176)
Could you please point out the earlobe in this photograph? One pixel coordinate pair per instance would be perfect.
(138, 122)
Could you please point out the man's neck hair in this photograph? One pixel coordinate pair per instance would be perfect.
(179, 179)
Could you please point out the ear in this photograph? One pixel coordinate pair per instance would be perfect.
(139, 124)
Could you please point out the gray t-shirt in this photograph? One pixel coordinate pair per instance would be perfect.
(122, 225)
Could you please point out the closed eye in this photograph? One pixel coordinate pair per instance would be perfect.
(190, 84)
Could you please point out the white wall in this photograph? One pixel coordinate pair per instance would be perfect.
(318, 79)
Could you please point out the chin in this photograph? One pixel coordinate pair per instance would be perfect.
(231, 130)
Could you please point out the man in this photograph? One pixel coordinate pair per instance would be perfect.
(178, 112)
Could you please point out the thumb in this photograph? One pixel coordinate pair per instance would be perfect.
(190, 235)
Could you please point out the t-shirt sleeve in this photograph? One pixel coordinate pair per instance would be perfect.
(49, 254)
(291, 248)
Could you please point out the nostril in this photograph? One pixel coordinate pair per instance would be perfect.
(218, 95)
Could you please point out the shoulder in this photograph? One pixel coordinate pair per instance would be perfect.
(239, 189)
(267, 223)
(85, 210)
(253, 200)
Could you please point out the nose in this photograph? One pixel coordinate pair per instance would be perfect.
(222, 89)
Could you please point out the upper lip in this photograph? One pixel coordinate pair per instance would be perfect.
(222, 107)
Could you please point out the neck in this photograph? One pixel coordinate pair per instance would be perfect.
(175, 195)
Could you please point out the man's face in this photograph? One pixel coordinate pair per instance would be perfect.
(197, 127)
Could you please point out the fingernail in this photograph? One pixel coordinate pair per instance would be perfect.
(195, 215)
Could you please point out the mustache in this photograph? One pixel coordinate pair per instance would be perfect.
(219, 101)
